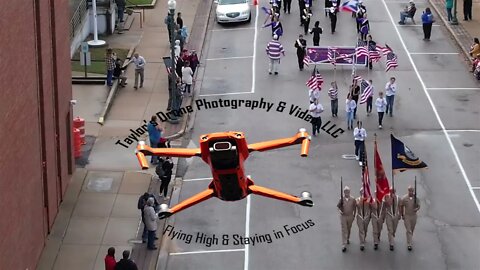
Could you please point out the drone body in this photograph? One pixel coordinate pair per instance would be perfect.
(225, 153)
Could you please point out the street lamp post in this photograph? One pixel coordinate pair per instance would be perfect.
(454, 17)
(172, 92)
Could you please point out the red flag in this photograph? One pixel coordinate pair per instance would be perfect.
(382, 187)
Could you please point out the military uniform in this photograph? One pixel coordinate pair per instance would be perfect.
(346, 205)
(363, 218)
(392, 216)
(377, 218)
(409, 208)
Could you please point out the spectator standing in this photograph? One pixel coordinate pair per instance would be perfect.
(315, 110)
(142, 201)
(467, 10)
(167, 167)
(359, 135)
(427, 21)
(448, 6)
(194, 62)
(179, 20)
(177, 49)
(126, 263)
(316, 31)
(333, 94)
(110, 65)
(350, 106)
(110, 261)
(187, 78)
(154, 134)
(381, 104)
(274, 51)
(151, 223)
(301, 45)
(370, 98)
(355, 92)
(120, 9)
(390, 91)
(139, 62)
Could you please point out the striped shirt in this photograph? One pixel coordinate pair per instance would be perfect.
(333, 93)
(274, 49)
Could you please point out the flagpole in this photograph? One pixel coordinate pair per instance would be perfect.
(341, 192)
(415, 198)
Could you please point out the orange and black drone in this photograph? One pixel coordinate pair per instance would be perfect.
(225, 153)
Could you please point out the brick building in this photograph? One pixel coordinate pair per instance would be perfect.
(36, 161)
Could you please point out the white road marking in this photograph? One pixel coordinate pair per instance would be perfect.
(454, 88)
(197, 179)
(254, 50)
(207, 251)
(224, 94)
(463, 130)
(228, 58)
(413, 53)
(247, 232)
(475, 187)
(457, 159)
(416, 25)
(232, 29)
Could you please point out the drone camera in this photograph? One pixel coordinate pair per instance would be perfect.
(222, 146)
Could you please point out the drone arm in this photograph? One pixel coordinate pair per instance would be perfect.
(301, 137)
(195, 199)
(145, 150)
(270, 193)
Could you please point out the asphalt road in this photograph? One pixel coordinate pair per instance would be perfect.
(437, 97)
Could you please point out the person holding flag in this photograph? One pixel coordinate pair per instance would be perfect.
(390, 204)
(333, 95)
(409, 206)
(381, 189)
(377, 217)
(347, 208)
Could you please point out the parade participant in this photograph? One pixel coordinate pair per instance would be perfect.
(377, 218)
(409, 206)
(274, 51)
(390, 91)
(347, 209)
(381, 104)
(333, 17)
(364, 27)
(372, 46)
(306, 15)
(316, 31)
(370, 98)
(276, 25)
(328, 5)
(390, 204)
(350, 106)
(363, 218)
(427, 22)
(286, 6)
(355, 92)
(301, 7)
(315, 110)
(333, 95)
(359, 135)
(313, 94)
(301, 45)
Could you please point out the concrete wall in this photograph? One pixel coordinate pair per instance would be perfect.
(35, 165)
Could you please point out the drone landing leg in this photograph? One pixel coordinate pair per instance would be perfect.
(195, 199)
(270, 193)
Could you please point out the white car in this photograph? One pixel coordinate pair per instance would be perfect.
(233, 11)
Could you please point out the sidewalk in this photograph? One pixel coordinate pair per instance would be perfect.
(465, 31)
(100, 206)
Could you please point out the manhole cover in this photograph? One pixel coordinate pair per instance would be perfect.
(100, 184)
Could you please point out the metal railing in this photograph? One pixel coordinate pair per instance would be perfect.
(76, 20)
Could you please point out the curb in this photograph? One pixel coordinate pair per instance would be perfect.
(452, 32)
(149, 6)
(112, 93)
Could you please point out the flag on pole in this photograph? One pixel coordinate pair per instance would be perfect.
(367, 90)
(315, 81)
(332, 55)
(391, 61)
(373, 54)
(307, 60)
(385, 50)
(403, 158)
(361, 49)
(367, 194)
(381, 182)
(357, 78)
(350, 6)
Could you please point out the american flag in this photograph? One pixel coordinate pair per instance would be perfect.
(307, 60)
(367, 194)
(357, 78)
(315, 81)
(385, 50)
(373, 53)
(391, 61)
(366, 88)
(361, 49)
(350, 6)
(332, 55)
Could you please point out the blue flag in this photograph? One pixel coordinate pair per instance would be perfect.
(403, 158)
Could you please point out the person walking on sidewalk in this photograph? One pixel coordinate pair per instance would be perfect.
(110, 261)
(448, 6)
(390, 91)
(110, 58)
(120, 9)
(333, 95)
(427, 21)
(126, 263)
(316, 110)
(167, 167)
(139, 62)
(274, 52)
(187, 78)
(301, 45)
(467, 10)
(151, 223)
(381, 104)
(316, 31)
(359, 135)
(350, 106)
